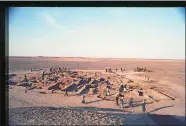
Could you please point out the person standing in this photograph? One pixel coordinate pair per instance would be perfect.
(52, 91)
(117, 98)
(26, 89)
(108, 91)
(66, 93)
(125, 88)
(25, 79)
(43, 76)
(143, 105)
(83, 100)
(131, 102)
(121, 102)
(121, 88)
(104, 93)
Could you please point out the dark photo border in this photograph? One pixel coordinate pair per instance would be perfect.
(4, 31)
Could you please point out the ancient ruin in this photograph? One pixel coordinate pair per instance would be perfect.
(103, 84)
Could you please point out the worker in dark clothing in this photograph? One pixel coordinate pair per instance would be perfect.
(117, 99)
(89, 79)
(66, 93)
(83, 100)
(131, 102)
(121, 89)
(25, 79)
(143, 105)
(43, 76)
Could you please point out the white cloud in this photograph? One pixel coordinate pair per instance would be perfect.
(49, 18)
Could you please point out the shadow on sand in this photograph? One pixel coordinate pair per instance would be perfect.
(160, 108)
(94, 101)
(158, 119)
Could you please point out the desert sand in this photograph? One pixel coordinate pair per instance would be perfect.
(168, 77)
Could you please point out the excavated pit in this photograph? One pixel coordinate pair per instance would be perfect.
(81, 83)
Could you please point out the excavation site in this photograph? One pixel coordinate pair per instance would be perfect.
(118, 91)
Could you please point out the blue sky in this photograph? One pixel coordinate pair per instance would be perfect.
(156, 33)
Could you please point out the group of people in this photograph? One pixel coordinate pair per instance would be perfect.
(122, 70)
(120, 101)
(57, 70)
(146, 78)
(110, 70)
(141, 69)
(120, 98)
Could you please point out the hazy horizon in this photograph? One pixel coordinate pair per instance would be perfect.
(95, 57)
(137, 33)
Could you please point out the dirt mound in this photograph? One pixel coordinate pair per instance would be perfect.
(95, 82)
(55, 87)
(81, 82)
(67, 80)
(72, 87)
(84, 90)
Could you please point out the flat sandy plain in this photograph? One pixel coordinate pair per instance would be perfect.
(168, 74)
